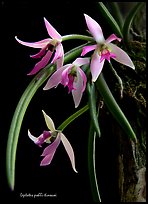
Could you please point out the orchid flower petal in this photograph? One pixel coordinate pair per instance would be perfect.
(60, 61)
(39, 44)
(51, 31)
(78, 90)
(49, 122)
(96, 66)
(94, 29)
(47, 159)
(81, 61)
(34, 139)
(112, 38)
(83, 76)
(55, 79)
(52, 147)
(59, 53)
(87, 49)
(65, 78)
(69, 150)
(121, 56)
(42, 138)
(42, 63)
(39, 54)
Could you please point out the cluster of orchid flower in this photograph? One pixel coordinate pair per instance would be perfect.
(71, 75)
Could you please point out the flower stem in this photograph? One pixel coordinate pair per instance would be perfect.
(73, 117)
(77, 37)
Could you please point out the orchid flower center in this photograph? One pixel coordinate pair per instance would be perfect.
(72, 77)
(69, 77)
(51, 46)
(43, 137)
(105, 52)
(52, 137)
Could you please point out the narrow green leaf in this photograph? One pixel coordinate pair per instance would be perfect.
(21, 108)
(93, 107)
(114, 107)
(110, 19)
(128, 21)
(91, 164)
(117, 13)
(17, 122)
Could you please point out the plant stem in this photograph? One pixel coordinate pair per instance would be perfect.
(77, 37)
(73, 117)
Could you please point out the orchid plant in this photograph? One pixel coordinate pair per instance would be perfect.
(79, 74)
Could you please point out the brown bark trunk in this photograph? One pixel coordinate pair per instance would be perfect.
(131, 157)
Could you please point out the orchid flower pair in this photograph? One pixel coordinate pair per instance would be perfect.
(54, 137)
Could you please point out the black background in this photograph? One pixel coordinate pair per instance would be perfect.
(25, 19)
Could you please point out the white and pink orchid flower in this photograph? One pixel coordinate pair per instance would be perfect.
(104, 49)
(54, 137)
(72, 76)
(47, 48)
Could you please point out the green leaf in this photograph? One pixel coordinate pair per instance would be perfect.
(110, 19)
(21, 108)
(17, 122)
(117, 13)
(128, 21)
(114, 107)
(93, 107)
(91, 164)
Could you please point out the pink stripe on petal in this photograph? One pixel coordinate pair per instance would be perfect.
(52, 147)
(52, 31)
(81, 61)
(121, 56)
(112, 38)
(39, 44)
(41, 64)
(95, 29)
(96, 66)
(69, 150)
(87, 49)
